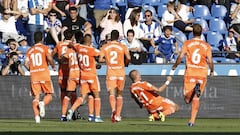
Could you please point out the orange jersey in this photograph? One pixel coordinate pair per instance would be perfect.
(114, 55)
(143, 91)
(74, 70)
(38, 64)
(60, 49)
(196, 57)
(86, 59)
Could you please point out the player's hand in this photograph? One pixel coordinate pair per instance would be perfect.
(174, 67)
(98, 66)
(211, 74)
(169, 78)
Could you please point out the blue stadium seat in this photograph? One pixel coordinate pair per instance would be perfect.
(181, 37)
(151, 56)
(218, 11)
(151, 8)
(203, 23)
(161, 9)
(151, 2)
(214, 38)
(218, 25)
(190, 36)
(202, 11)
(119, 2)
(165, 1)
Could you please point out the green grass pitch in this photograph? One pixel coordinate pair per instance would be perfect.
(172, 126)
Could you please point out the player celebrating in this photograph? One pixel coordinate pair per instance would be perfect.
(145, 94)
(63, 69)
(74, 74)
(89, 80)
(198, 57)
(113, 53)
(37, 58)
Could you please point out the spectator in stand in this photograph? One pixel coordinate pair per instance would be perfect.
(22, 21)
(231, 45)
(7, 25)
(81, 5)
(137, 51)
(235, 16)
(133, 4)
(133, 23)
(164, 51)
(170, 17)
(76, 24)
(110, 22)
(184, 11)
(53, 28)
(150, 30)
(12, 47)
(10, 4)
(12, 65)
(38, 9)
(23, 48)
(100, 9)
(61, 7)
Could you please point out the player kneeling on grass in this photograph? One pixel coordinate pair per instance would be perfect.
(145, 94)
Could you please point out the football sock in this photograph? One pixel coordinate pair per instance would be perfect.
(112, 101)
(77, 103)
(195, 107)
(35, 107)
(73, 97)
(119, 106)
(65, 105)
(97, 106)
(63, 94)
(90, 105)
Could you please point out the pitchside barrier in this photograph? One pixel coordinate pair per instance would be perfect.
(220, 100)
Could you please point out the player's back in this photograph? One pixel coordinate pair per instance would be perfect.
(87, 62)
(37, 57)
(196, 57)
(143, 90)
(114, 54)
(73, 66)
(61, 48)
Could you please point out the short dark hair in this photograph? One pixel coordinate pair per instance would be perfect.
(197, 30)
(131, 31)
(38, 36)
(131, 75)
(168, 27)
(73, 8)
(11, 54)
(10, 40)
(114, 35)
(68, 34)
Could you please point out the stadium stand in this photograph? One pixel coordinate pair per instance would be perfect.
(218, 25)
(218, 11)
(203, 23)
(202, 11)
(161, 9)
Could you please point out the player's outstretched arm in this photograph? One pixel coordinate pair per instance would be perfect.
(164, 86)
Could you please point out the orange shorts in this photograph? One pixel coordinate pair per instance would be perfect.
(161, 104)
(190, 82)
(41, 87)
(114, 82)
(89, 85)
(72, 84)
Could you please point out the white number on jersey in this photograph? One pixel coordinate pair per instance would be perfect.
(36, 59)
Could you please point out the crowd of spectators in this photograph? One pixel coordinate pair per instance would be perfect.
(140, 28)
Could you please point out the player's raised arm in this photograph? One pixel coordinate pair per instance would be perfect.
(164, 86)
